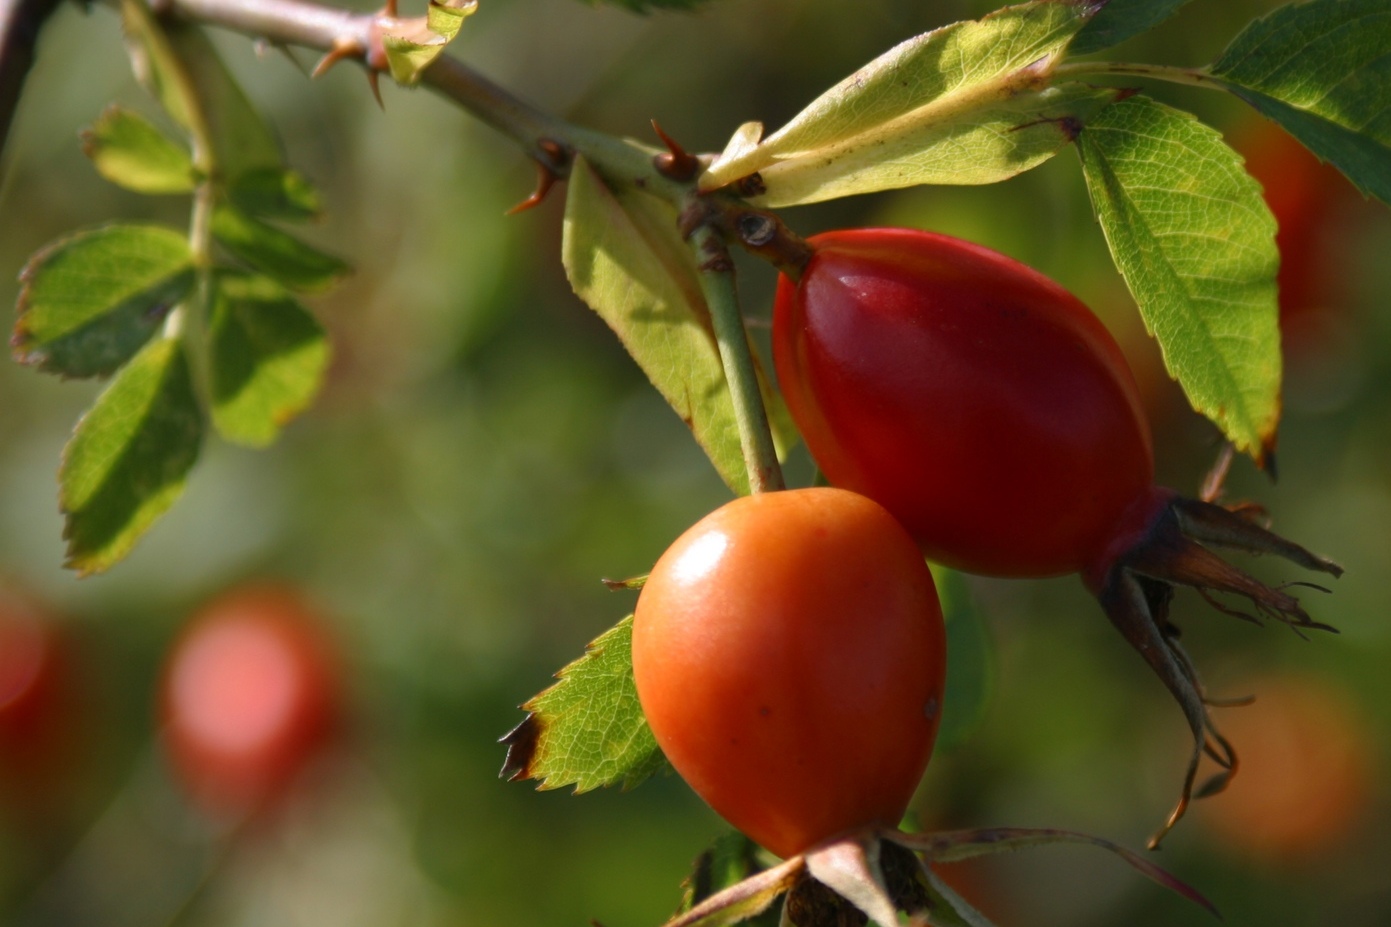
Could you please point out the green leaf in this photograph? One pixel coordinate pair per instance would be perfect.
(267, 354)
(1191, 233)
(128, 458)
(279, 255)
(624, 257)
(1119, 20)
(730, 859)
(181, 67)
(967, 103)
(588, 729)
(1322, 69)
(412, 45)
(90, 301)
(970, 661)
(273, 193)
(127, 149)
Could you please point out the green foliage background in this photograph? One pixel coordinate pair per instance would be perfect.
(485, 452)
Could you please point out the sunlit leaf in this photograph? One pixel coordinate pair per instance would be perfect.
(1322, 69)
(127, 149)
(970, 80)
(89, 302)
(128, 458)
(267, 356)
(1195, 241)
(625, 258)
(412, 45)
(1119, 20)
(985, 144)
(277, 254)
(970, 661)
(588, 729)
(273, 193)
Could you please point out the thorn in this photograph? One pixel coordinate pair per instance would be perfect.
(374, 81)
(545, 179)
(389, 8)
(676, 163)
(342, 49)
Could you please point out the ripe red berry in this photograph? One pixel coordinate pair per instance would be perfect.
(789, 655)
(250, 698)
(993, 414)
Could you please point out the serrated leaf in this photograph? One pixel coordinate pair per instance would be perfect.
(127, 149)
(277, 254)
(1119, 20)
(1322, 69)
(921, 87)
(89, 302)
(970, 661)
(588, 729)
(267, 358)
(625, 258)
(128, 458)
(274, 193)
(1195, 241)
(182, 68)
(412, 45)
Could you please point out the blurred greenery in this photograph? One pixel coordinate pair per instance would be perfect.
(485, 452)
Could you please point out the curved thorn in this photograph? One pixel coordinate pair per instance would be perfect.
(341, 50)
(545, 179)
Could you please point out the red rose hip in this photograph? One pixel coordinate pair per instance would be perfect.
(996, 418)
(789, 655)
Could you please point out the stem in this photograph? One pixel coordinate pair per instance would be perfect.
(717, 285)
(1191, 77)
(331, 30)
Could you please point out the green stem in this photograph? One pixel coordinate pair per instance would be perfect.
(717, 285)
(1191, 77)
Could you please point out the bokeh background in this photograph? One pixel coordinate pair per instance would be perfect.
(485, 452)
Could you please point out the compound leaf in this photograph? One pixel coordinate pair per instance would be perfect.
(1119, 20)
(979, 79)
(128, 150)
(1322, 69)
(267, 356)
(89, 302)
(588, 729)
(625, 258)
(1190, 232)
(278, 254)
(128, 458)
